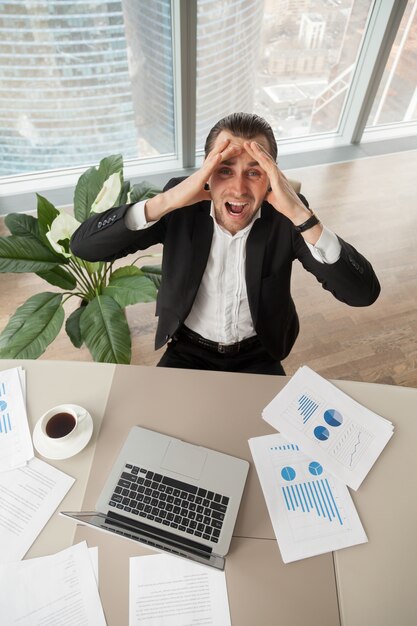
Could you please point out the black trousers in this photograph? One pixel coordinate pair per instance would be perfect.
(181, 353)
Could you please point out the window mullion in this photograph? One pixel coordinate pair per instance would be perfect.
(185, 52)
(380, 34)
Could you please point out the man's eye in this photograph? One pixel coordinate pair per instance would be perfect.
(254, 173)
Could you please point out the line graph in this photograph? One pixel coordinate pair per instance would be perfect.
(349, 447)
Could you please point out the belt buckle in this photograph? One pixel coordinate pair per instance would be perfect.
(224, 348)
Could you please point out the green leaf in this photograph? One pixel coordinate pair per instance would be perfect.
(154, 273)
(25, 254)
(72, 326)
(122, 199)
(143, 191)
(90, 183)
(46, 215)
(105, 331)
(59, 277)
(33, 327)
(129, 285)
(22, 225)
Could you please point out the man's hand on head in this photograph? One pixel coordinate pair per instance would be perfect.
(281, 195)
(192, 189)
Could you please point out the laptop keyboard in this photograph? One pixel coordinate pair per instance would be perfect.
(170, 502)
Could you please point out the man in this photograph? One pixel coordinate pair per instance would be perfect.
(231, 232)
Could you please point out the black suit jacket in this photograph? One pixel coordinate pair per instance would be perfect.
(271, 248)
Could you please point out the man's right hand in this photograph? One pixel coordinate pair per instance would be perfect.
(191, 190)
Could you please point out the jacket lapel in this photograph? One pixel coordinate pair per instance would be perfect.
(255, 250)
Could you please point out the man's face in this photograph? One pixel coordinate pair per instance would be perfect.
(238, 186)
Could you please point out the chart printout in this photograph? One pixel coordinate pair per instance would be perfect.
(311, 511)
(344, 436)
(15, 440)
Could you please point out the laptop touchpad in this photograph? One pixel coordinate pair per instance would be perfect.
(184, 458)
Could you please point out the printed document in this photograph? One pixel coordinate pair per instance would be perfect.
(15, 441)
(170, 591)
(57, 589)
(28, 497)
(329, 426)
(311, 511)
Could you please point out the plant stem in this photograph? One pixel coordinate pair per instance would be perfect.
(81, 278)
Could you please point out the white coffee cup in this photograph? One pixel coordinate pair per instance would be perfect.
(61, 422)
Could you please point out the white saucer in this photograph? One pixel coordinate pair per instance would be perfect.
(56, 449)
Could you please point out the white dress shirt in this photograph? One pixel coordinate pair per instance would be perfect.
(221, 309)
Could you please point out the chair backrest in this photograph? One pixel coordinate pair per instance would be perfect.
(295, 184)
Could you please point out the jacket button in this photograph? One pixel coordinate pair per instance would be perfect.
(99, 225)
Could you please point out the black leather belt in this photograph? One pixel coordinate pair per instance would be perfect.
(187, 334)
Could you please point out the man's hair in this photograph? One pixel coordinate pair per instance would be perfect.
(245, 125)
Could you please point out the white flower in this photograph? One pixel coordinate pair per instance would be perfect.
(62, 228)
(108, 194)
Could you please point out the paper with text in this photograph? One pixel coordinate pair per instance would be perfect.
(15, 441)
(57, 589)
(29, 495)
(328, 425)
(170, 591)
(311, 511)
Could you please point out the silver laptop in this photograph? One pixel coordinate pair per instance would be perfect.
(172, 496)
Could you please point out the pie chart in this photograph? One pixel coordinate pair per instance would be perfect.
(333, 417)
(288, 473)
(315, 468)
(321, 432)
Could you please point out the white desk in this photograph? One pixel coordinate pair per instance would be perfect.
(371, 584)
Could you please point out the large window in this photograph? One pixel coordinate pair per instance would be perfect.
(291, 61)
(82, 79)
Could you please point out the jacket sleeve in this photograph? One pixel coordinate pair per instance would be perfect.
(351, 279)
(105, 236)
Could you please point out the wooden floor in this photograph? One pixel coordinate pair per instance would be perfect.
(369, 202)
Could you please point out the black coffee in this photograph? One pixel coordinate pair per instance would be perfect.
(60, 425)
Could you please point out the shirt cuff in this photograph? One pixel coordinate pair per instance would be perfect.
(135, 217)
(327, 248)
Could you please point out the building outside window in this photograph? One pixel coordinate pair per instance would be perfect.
(84, 79)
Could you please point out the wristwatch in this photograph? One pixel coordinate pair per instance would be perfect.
(312, 221)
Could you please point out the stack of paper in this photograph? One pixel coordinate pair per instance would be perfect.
(15, 441)
(176, 592)
(327, 441)
(311, 511)
(57, 589)
(344, 436)
(30, 489)
(28, 497)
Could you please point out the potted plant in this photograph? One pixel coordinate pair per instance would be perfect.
(41, 244)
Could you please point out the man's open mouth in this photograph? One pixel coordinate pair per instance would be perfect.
(235, 208)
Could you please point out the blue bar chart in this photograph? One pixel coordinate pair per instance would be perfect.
(306, 407)
(5, 424)
(289, 446)
(315, 497)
